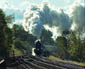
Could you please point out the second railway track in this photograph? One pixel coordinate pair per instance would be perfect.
(26, 62)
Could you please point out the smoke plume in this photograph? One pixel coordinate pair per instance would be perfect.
(78, 17)
(36, 17)
(43, 16)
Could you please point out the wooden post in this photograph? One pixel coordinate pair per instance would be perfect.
(13, 53)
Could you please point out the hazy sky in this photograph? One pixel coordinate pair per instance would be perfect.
(17, 7)
(25, 3)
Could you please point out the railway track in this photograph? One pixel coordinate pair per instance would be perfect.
(26, 62)
(60, 64)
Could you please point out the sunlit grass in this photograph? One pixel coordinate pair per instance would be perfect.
(73, 62)
(16, 51)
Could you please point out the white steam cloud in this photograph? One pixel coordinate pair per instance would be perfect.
(78, 17)
(43, 16)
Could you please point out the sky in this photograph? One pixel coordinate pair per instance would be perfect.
(17, 7)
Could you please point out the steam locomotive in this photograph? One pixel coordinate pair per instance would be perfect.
(39, 49)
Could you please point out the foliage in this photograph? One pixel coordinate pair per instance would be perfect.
(22, 40)
(76, 47)
(62, 47)
(46, 37)
(71, 47)
(5, 35)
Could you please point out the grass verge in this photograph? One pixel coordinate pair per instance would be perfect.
(73, 62)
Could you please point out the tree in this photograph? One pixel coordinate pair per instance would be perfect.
(5, 35)
(62, 47)
(46, 37)
(76, 47)
(22, 40)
